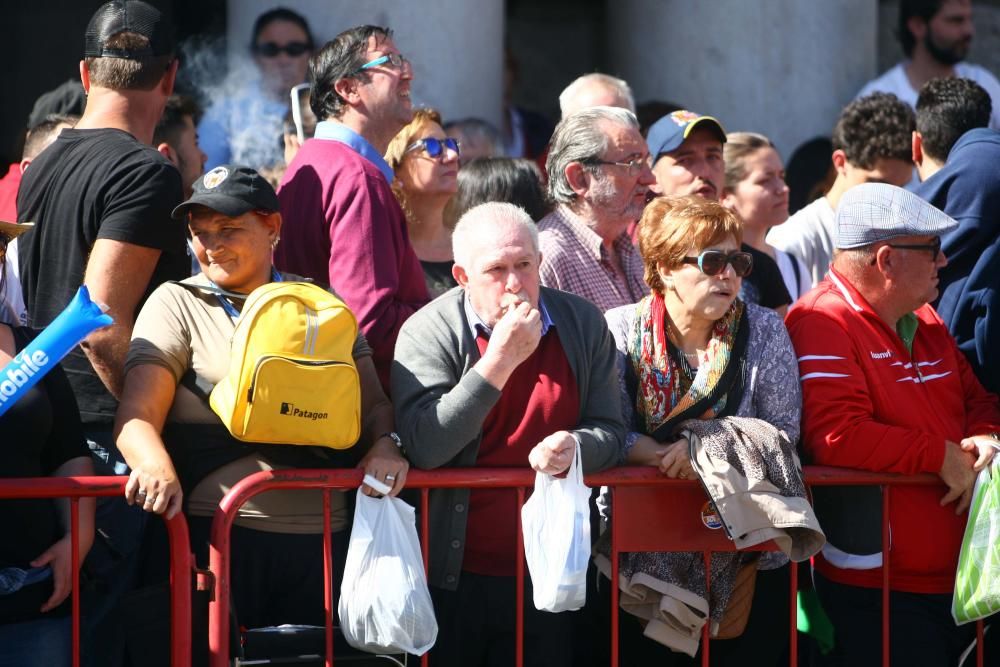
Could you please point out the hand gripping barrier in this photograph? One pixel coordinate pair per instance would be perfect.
(181, 560)
(649, 513)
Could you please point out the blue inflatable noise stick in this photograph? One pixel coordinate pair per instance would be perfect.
(74, 324)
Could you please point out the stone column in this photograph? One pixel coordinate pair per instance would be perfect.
(456, 47)
(784, 68)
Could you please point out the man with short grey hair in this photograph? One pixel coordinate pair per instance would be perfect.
(886, 389)
(596, 90)
(599, 178)
(499, 372)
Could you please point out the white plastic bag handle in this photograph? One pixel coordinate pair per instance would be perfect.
(381, 487)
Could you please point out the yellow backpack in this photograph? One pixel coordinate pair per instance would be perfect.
(292, 378)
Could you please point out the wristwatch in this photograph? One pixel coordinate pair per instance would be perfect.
(392, 435)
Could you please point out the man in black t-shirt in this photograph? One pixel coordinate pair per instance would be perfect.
(686, 149)
(101, 197)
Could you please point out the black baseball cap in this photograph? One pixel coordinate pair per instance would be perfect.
(128, 16)
(232, 190)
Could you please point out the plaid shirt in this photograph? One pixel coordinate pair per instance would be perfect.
(575, 259)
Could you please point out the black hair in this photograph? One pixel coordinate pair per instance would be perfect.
(512, 180)
(171, 123)
(339, 58)
(38, 137)
(875, 126)
(947, 108)
(280, 14)
(806, 172)
(924, 9)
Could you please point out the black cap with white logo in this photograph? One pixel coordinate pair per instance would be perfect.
(232, 190)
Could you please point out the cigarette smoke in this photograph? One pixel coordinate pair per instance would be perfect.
(232, 98)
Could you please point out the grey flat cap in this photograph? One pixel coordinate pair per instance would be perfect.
(874, 212)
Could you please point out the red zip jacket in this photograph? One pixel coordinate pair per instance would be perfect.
(869, 404)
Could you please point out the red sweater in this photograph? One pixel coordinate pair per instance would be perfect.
(870, 404)
(343, 227)
(9, 185)
(540, 398)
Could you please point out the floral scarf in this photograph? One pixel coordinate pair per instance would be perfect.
(664, 395)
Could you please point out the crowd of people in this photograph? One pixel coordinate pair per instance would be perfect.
(629, 287)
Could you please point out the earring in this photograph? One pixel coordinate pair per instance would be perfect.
(668, 283)
(274, 242)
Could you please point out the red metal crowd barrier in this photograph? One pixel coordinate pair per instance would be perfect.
(181, 560)
(649, 513)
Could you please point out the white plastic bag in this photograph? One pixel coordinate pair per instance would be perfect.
(556, 525)
(385, 606)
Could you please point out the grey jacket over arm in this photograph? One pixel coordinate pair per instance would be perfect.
(441, 403)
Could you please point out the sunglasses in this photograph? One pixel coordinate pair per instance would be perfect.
(394, 60)
(434, 147)
(934, 246)
(272, 50)
(713, 262)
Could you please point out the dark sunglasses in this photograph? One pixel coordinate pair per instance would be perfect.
(271, 50)
(934, 246)
(713, 262)
(434, 147)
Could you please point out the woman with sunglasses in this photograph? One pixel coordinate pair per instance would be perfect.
(692, 350)
(244, 124)
(425, 162)
(755, 189)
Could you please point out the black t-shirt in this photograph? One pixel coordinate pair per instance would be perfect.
(437, 276)
(41, 431)
(90, 185)
(764, 286)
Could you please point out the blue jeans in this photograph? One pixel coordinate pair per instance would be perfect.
(45, 642)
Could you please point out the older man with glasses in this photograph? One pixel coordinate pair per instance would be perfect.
(599, 177)
(343, 225)
(886, 389)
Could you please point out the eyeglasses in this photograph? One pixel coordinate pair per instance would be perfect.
(395, 60)
(271, 49)
(713, 262)
(434, 147)
(633, 167)
(934, 246)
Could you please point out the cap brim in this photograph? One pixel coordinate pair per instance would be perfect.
(712, 123)
(224, 204)
(680, 134)
(15, 229)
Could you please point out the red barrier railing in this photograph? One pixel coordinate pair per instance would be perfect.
(181, 560)
(649, 513)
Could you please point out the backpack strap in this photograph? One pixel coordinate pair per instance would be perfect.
(223, 294)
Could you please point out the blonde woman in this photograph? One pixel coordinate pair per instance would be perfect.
(425, 162)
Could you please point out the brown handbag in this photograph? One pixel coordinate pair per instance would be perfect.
(734, 619)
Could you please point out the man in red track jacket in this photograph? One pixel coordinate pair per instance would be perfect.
(885, 388)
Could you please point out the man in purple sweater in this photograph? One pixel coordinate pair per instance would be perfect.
(343, 225)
